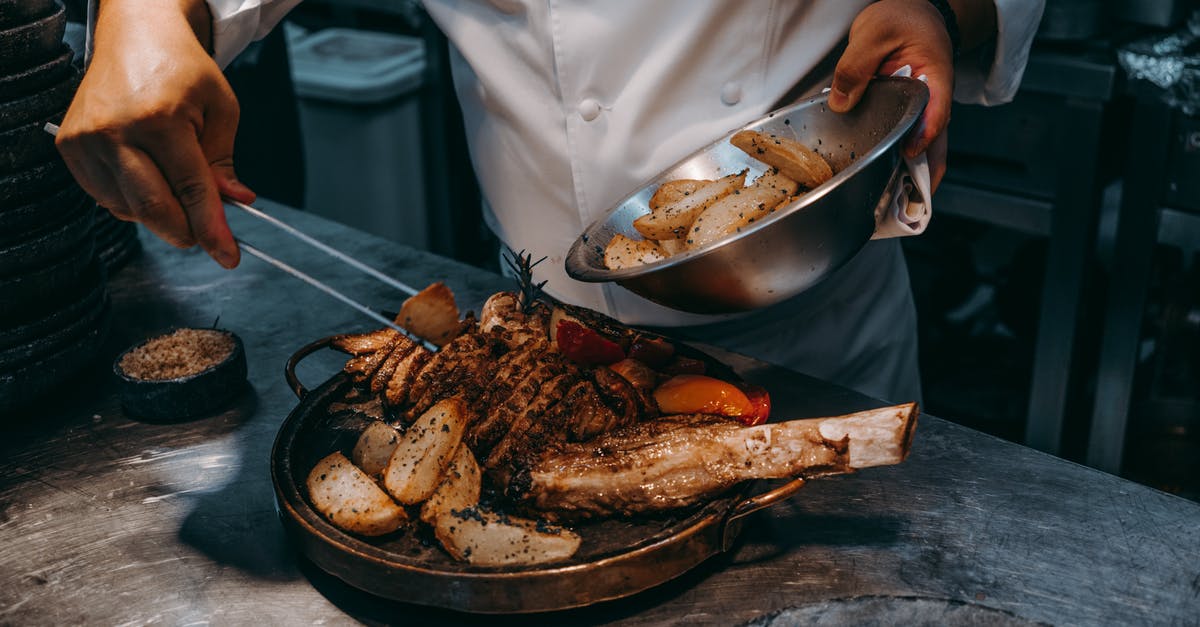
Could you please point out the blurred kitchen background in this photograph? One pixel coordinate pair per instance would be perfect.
(1058, 286)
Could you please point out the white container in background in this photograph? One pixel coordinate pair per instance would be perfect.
(359, 112)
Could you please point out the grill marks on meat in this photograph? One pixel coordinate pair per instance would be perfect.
(529, 426)
(460, 369)
(511, 396)
(402, 348)
(362, 367)
(396, 392)
(507, 371)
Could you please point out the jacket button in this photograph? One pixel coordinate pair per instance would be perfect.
(731, 93)
(589, 109)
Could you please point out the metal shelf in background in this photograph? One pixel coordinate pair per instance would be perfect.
(1056, 124)
(1143, 223)
(1178, 228)
(1025, 215)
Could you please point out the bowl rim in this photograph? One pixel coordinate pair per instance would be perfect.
(592, 274)
(230, 358)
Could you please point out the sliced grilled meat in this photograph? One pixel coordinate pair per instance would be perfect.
(473, 355)
(362, 367)
(402, 348)
(528, 426)
(497, 419)
(435, 371)
(396, 392)
(507, 372)
(363, 343)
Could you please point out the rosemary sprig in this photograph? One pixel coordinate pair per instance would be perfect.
(521, 265)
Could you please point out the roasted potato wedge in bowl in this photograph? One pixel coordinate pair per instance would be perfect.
(788, 251)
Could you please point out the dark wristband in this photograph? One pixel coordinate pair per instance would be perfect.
(951, 20)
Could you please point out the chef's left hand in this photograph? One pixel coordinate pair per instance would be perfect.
(886, 36)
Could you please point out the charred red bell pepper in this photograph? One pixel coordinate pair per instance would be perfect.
(584, 346)
(760, 400)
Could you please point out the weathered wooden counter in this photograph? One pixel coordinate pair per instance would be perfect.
(107, 519)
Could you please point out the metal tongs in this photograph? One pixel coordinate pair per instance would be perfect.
(325, 248)
(332, 252)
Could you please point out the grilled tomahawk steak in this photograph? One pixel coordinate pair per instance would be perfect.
(678, 461)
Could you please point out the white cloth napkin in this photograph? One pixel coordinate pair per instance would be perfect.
(905, 208)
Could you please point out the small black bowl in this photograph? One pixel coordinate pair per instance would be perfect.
(184, 397)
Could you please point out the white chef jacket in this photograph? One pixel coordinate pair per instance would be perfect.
(571, 105)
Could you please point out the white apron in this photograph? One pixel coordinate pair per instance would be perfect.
(570, 105)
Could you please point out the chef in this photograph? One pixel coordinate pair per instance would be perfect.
(569, 106)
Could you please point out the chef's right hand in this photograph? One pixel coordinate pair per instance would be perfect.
(150, 132)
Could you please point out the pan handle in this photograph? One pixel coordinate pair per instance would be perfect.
(753, 504)
(289, 369)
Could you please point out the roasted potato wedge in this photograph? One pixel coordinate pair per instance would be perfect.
(350, 499)
(793, 159)
(374, 448)
(431, 314)
(416, 466)
(671, 220)
(459, 488)
(738, 210)
(486, 538)
(673, 246)
(674, 191)
(623, 252)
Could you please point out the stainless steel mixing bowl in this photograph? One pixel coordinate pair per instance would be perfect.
(799, 244)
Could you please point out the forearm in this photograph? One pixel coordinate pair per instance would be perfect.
(172, 15)
(976, 22)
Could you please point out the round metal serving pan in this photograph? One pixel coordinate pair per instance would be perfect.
(617, 558)
(795, 247)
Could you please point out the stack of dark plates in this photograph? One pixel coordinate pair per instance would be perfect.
(54, 309)
(116, 241)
